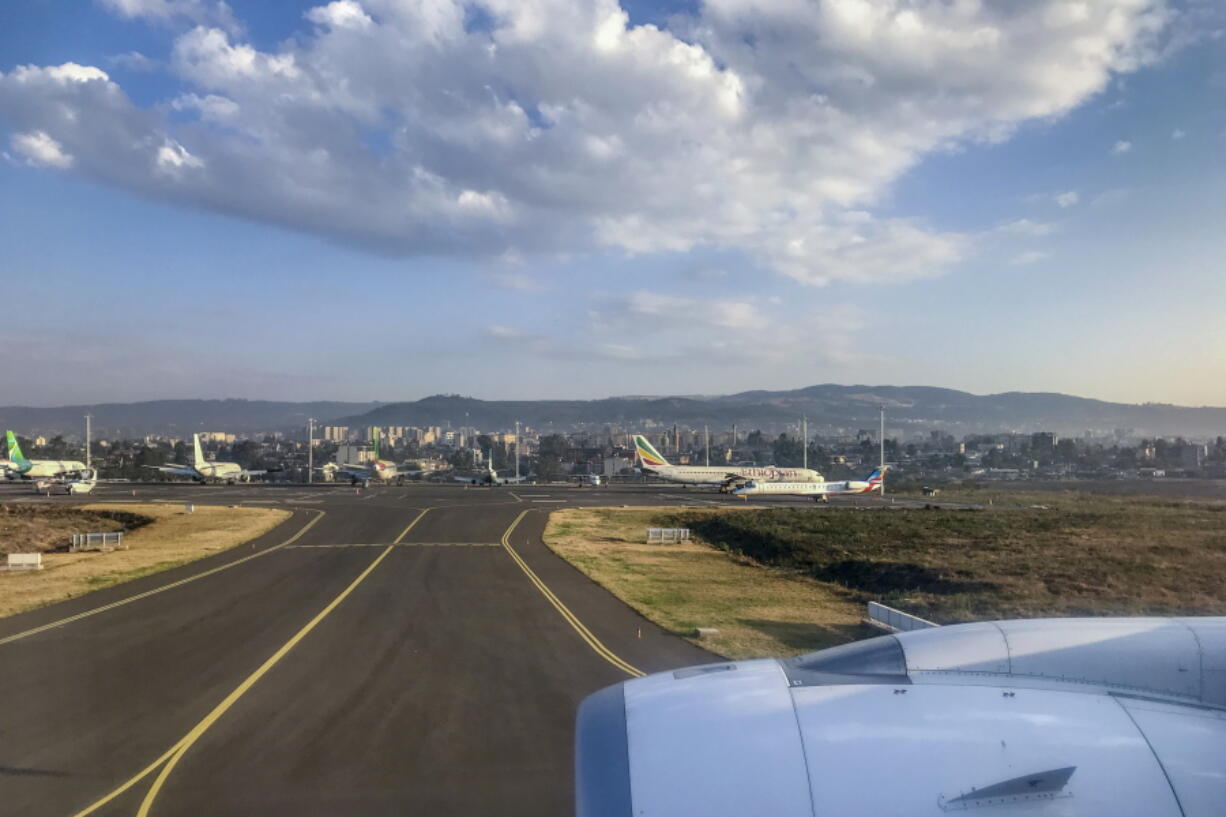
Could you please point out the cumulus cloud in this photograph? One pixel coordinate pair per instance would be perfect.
(40, 150)
(1121, 147)
(1067, 198)
(164, 11)
(768, 128)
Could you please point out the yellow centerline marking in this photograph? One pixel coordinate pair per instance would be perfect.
(95, 611)
(405, 532)
(571, 619)
(176, 752)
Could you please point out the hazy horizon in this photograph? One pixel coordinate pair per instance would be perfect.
(660, 395)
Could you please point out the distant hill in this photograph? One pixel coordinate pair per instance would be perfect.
(831, 409)
(174, 417)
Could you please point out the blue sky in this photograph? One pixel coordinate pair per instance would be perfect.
(301, 201)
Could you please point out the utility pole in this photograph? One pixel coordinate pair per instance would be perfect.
(516, 450)
(310, 450)
(804, 438)
(706, 436)
(881, 442)
(88, 418)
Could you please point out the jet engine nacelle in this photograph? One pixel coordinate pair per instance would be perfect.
(1098, 717)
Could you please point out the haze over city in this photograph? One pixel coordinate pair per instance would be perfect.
(381, 201)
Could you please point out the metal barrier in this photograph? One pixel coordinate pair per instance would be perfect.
(96, 541)
(895, 621)
(24, 561)
(663, 536)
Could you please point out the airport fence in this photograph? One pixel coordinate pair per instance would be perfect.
(895, 621)
(97, 541)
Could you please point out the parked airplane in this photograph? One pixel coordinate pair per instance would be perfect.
(380, 469)
(652, 462)
(203, 470)
(818, 490)
(488, 477)
(81, 483)
(1090, 717)
(34, 469)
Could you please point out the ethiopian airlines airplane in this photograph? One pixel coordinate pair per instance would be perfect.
(818, 490)
(653, 463)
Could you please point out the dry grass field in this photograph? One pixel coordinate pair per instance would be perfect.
(680, 587)
(786, 580)
(159, 537)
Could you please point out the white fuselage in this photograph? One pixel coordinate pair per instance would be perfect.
(805, 488)
(385, 470)
(715, 475)
(50, 468)
(219, 470)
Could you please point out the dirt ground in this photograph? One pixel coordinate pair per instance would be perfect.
(169, 538)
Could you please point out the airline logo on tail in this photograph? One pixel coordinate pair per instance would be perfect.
(14, 449)
(875, 479)
(648, 454)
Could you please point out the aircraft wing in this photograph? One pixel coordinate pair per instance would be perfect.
(174, 468)
(355, 472)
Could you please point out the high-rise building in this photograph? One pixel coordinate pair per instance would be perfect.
(336, 434)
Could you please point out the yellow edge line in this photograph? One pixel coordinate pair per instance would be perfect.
(584, 633)
(176, 752)
(61, 622)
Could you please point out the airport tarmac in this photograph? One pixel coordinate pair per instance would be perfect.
(395, 650)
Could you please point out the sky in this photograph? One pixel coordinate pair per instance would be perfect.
(517, 199)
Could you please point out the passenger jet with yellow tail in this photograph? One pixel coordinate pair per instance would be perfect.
(725, 476)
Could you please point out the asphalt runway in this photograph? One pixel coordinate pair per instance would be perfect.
(396, 657)
(395, 650)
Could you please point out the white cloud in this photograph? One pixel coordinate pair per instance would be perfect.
(1121, 147)
(173, 157)
(1067, 198)
(40, 150)
(1178, 134)
(340, 14)
(769, 128)
(198, 11)
(1026, 227)
(133, 61)
(1029, 257)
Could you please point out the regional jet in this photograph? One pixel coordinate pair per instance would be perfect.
(820, 491)
(203, 470)
(488, 477)
(37, 469)
(652, 462)
(1090, 717)
(380, 469)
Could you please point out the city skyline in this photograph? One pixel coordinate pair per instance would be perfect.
(363, 201)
